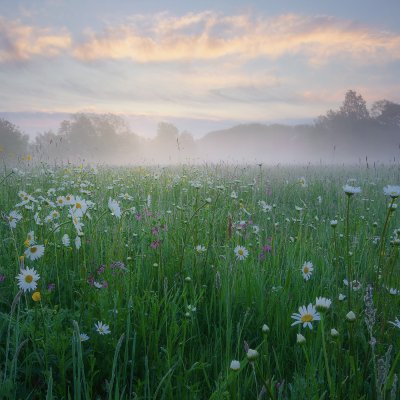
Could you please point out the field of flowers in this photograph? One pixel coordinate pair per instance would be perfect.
(212, 282)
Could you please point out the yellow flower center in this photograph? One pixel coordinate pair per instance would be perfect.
(33, 249)
(28, 278)
(78, 205)
(240, 252)
(306, 270)
(306, 318)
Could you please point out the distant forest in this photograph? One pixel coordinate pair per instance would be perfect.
(346, 135)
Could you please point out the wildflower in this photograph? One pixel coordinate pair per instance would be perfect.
(392, 191)
(322, 303)
(114, 208)
(350, 190)
(265, 329)
(78, 242)
(341, 297)
(350, 316)
(334, 223)
(66, 240)
(13, 218)
(252, 354)
(200, 248)
(102, 329)
(30, 239)
(83, 337)
(392, 207)
(234, 195)
(306, 315)
(307, 270)
(36, 296)
(334, 332)
(34, 252)
(51, 287)
(27, 279)
(241, 253)
(395, 323)
(300, 339)
(302, 181)
(355, 285)
(235, 365)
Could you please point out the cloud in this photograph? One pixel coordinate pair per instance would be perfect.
(19, 42)
(208, 35)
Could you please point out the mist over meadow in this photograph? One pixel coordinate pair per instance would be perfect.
(351, 134)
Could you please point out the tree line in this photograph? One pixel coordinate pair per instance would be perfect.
(107, 138)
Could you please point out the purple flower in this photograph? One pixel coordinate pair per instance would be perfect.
(2, 278)
(155, 244)
(51, 287)
(101, 269)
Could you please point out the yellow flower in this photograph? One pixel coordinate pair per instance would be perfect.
(36, 296)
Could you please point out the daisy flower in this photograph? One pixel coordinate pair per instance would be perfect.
(322, 303)
(200, 248)
(350, 190)
(27, 279)
(13, 218)
(79, 207)
(395, 323)
(66, 240)
(241, 253)
(305, 316)
(34, 252)
(392, 191)
(83, 337)
(307, 270)
(114, 207)
(102, 329)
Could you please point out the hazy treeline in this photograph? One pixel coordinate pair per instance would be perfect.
(344, 135)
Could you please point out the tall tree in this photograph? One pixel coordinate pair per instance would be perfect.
(12, 141)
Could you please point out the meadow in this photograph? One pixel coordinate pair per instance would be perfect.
(211, 282)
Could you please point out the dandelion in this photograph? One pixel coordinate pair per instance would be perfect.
(101, 328)
(34, 252)
(36, 296)
(307, 270)
(241, 253)
(305, 316)
(27, 279)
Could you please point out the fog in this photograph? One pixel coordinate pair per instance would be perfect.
(351, 134)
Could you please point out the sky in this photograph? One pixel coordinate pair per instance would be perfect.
(202, 65)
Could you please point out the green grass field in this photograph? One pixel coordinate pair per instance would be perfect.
(151, 297)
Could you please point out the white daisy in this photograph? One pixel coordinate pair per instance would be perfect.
(102, 329)
(395, 323)
(306, 315)
(114, 207)
(241, 253)
(307, 270)
(200, 248)
(66, 240)
(27, 279)
(13, 218)
(350, 190)
(322, 303)
(83, 337)
(392, 191)
(34, 252)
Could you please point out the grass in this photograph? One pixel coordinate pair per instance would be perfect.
(178, 317)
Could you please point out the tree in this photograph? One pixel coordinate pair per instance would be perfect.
(354, 107)
(386, 113)
(12, 141)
